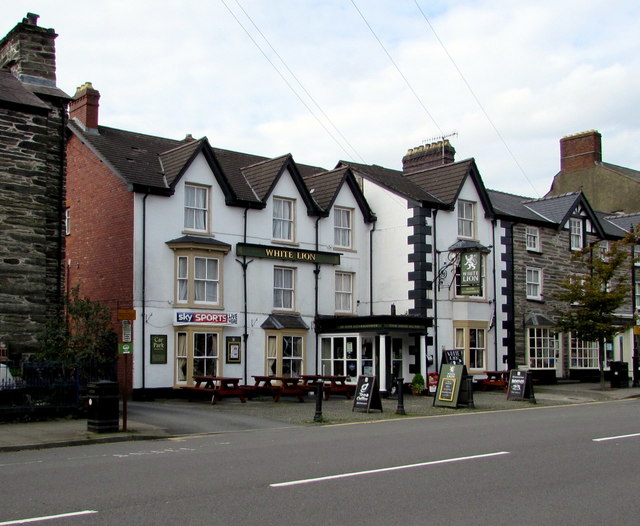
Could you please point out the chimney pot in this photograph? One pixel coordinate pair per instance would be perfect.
(84, 106)
(31, 18)
(428, 156)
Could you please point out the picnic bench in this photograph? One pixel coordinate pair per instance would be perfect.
(498, 379)
(288, 386)
(218, 387)
(332, 384)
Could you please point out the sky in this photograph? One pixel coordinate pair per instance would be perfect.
(361, 80)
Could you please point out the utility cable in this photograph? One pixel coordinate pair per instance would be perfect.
(495, 128)
(398, 69)
(357, 154)
(286, 81)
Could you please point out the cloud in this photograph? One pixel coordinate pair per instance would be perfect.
(532, 73)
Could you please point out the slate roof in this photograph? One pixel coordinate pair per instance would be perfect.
(556, 208)
(13, 94)
(393, 180)
(623, 223)
(199, 240)
(263, 175)
(134, 156)
(513, 206)
(444, 181)
(325, 186)
(157, 163)
(284, 321)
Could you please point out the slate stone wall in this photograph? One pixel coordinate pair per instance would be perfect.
(32, 163)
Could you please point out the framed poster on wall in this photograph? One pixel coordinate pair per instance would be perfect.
(234, 346)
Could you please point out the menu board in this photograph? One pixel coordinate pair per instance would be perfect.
(367, 395)
(451, 377)
(520, 386)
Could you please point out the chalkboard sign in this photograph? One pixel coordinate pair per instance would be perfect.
(520, 386)
(453, 356)
(367, 394)
(452, 376)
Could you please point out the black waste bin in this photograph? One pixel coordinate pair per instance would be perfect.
(619, 374)
(104, 407)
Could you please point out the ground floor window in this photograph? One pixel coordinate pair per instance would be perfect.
(583, 354)
(197, 354)
(340, 356)
(472, 340)
(347, 355)
(542, 345)
(285, 355)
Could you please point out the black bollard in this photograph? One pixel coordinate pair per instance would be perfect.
(400, 410)
(318, 416)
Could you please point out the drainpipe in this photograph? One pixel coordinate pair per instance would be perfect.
(495, 297)
(436, 271)
(317, 281)
(245, 335)
(144, 287)
(371, 268)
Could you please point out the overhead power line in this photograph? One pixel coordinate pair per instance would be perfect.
(395, 65)
(495, 128)
(286, 81)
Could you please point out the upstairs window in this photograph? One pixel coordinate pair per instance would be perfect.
(198, 278)
(534, 283)
(196, 208)
(283, 219)
(465, 219)
(342, 227)
(575, 229)
(283, 288)
(344, 292)
(206, 280)
(532, 235)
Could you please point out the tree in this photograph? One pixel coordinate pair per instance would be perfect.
(82, 335)
(593, 293)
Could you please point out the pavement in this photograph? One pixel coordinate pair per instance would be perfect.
(171, 418)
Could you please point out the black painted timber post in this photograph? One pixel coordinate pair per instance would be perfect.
(318, 416)
(400, 410)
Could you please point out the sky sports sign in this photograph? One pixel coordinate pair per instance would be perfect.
(206, 318)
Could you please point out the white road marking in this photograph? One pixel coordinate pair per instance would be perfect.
(615, 438)
(383, 470)
(49, 517)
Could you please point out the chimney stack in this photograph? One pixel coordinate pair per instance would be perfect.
(84, 106)
(580, 151)
(428, 156)
(29, 52)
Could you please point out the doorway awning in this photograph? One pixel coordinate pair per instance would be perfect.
(379, 324)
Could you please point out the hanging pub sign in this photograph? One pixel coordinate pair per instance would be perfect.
(453, 356)
(471, 274)
(367, 394)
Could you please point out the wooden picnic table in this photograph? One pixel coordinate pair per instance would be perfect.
(495, 379)
(333, 384)
(288, 386)
(218, 386)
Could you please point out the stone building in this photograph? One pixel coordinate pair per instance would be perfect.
(32, 178)
(540, 237)
(583, 170)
